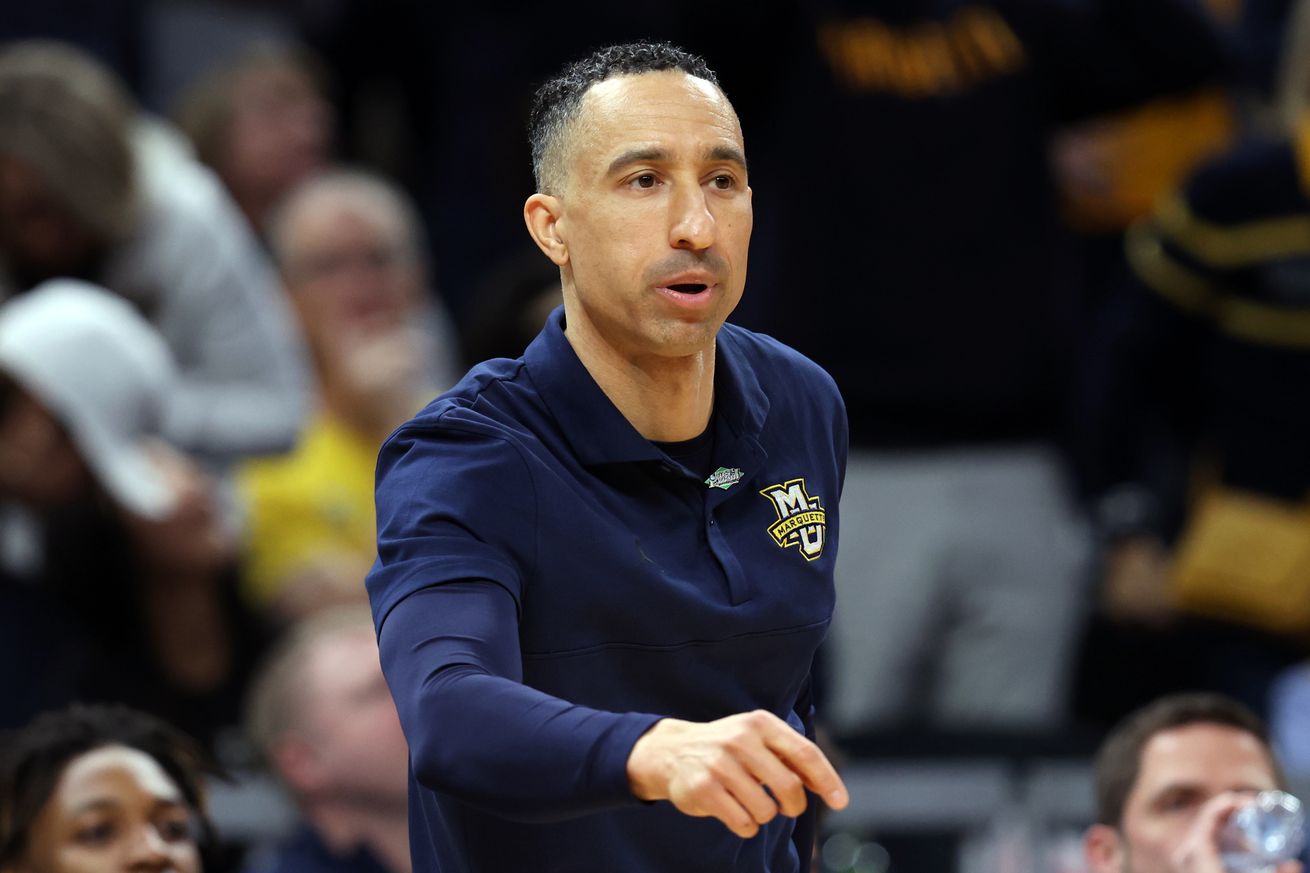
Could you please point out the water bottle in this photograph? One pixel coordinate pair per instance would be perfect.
(1263, 834)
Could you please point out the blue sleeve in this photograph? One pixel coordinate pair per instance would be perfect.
(457, 523)
(451, 657)
(453, 502)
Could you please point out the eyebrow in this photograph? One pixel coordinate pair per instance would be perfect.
(1168, 788)
(656, 154)
(112, 803)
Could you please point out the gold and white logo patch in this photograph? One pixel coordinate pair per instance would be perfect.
(802, 521)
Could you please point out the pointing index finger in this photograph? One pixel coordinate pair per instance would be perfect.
(806, 760)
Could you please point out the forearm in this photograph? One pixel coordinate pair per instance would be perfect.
(232, 419)
(476, 732)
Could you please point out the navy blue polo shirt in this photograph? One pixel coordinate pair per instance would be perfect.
(550, 583)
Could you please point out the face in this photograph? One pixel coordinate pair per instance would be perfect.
(653, 217)
(359, 750)
(1180, 770)
(38, 234)
(280, 131)
(349, 271)
(113, 809)
(39, 465)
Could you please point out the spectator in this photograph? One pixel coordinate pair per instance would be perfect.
(92, 189)
(1198, 427)
(348, 247)
(1168, 776)
(924, 266)
(262, 124)
(100, 788)
(133, 545)
(321, 715)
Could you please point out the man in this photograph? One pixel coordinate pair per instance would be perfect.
(947, 306)
(604, 568)
(1168, 777)
(321, 716)
(347, 244)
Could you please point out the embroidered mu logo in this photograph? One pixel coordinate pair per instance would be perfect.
(801, 522)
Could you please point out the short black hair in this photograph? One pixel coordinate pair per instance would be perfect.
(1119, 761)
(33, 758)
(556, 102)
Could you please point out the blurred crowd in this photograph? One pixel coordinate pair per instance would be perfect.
(1056, 254)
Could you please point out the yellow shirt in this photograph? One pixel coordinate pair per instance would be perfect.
(312, 505)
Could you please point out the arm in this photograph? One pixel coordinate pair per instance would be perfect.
(196, 267)
(1199, 850)
(244, 386)
(446, 601)
(451, 656)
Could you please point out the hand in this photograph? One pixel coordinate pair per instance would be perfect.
(192, 538)
(1199, 850)
(720, 769)
(376, 380)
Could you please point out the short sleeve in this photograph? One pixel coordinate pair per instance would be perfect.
(452, 504)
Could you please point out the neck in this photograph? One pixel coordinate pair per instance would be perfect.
(381, 829)
(372, 421)
(665, 398)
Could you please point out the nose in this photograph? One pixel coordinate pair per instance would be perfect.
(691, 224)
(149, 850)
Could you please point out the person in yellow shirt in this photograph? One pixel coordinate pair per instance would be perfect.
(347, 244)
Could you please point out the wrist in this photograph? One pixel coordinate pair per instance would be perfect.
(646, 769)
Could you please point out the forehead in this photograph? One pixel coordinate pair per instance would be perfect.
(342, 661)
(113, 773)
(281, 76)
(320, 217)
(1217, 757)
(667, 108)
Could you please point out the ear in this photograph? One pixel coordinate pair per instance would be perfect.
(542, 214)
(1104, 849)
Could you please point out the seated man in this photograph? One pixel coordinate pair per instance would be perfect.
(347, 244)
(321, 715)
(1166, 779)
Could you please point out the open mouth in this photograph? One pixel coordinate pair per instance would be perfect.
(688, 287)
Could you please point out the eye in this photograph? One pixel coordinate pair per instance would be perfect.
(1179, 801)
(176, 829)
(95, 834)
(644, 180)
(724, 182)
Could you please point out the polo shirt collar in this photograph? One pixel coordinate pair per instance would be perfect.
(596, 430)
